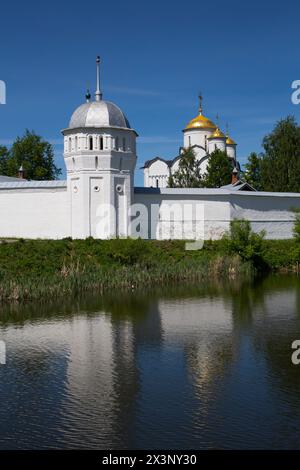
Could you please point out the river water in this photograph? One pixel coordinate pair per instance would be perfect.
(205, 367)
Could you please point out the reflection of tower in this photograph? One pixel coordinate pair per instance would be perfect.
(102, 380)
(103, 375)
(100, 157)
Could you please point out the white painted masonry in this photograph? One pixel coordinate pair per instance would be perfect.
(99, 199)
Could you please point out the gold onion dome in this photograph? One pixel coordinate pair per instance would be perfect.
(230, 141)
(200, 122)
(217, 134)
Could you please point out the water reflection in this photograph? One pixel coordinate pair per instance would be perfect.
(186, 367)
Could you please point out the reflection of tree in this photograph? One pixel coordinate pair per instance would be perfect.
(274, 330)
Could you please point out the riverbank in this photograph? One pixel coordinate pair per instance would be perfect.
(40, 269)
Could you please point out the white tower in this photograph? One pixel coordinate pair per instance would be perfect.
(100, 157)
(217, 141)
(230, 147)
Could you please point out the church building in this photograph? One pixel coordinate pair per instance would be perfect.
(204, 137)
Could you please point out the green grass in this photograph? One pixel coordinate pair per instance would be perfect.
(43, 269)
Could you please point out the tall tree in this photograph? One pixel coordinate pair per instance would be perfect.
(253, 171)
(35, 155)
(3, 160)
(188, 173)
(218, 170)
(280, 167)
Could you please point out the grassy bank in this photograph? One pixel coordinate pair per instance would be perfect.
(41, 269)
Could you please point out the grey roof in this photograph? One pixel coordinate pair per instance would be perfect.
(210, 192)
(8, 178)
(152, 160)
(239, 186)
(23, 184)
(98, 114)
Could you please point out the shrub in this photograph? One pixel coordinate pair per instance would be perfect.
(296, 228)
(243, 241)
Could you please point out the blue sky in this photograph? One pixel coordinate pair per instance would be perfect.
(156, 57)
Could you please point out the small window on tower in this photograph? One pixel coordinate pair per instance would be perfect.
(91, 143)
(189, 140)
(70, 144)
(157, 183)
(76, 142)
(96, 163)
(101, 143)
(124, 144)
(117, 143)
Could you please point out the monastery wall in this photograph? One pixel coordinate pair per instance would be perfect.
(34, 213)
(266, 211)
(271, 212)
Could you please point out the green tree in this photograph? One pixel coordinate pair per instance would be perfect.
(218, 170)
(35, 155)
(3, 160)
(241, 240)
(253, 171)
(188, 173)
(280, 166)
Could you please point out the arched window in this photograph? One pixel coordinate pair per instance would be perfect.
(96, 163)
(101, 143)
(117, 143)
(73, 161)
(215, 146)
(190, 143)
(91, 143)
(124, 144)
(157, 183)
(76, 143)
(70, 144)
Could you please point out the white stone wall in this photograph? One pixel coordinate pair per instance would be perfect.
(160, 213)
(183, 214)
(34, 213)
(266, 211)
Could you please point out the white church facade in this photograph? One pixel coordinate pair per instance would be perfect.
(98, 198)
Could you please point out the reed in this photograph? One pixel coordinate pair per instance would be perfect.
(38, 270)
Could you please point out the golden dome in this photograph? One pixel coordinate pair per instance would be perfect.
(217, 134)
(200, 122)
(230, 141)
